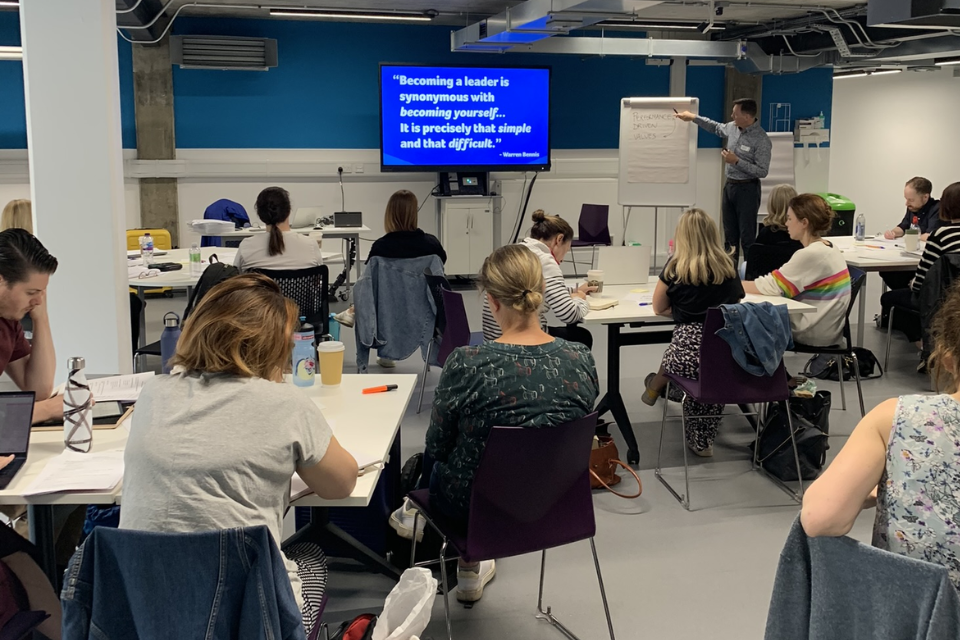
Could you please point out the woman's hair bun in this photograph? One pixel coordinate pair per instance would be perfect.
(539, 215)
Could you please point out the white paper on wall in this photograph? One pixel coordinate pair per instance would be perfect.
(658, 146)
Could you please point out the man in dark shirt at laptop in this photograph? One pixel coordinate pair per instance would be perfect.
(25, 270)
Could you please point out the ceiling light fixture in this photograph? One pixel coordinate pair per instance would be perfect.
(322, 14)
(943, 62)
(9, 3)
(862, 74)
(11, 53)
(651, 26)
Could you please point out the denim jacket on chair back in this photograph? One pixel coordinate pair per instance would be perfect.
(218, 585)
(758, 335)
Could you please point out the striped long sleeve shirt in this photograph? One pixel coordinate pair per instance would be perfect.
(943, 240)
(557, 298)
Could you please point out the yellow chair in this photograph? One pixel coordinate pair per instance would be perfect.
(161, 240)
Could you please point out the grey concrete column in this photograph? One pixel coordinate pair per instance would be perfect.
(153, 95)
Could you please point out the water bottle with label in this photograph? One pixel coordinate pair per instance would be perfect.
(77, 409)
(169, 339)
(860, 228)
(196, 269)
(146, 249)
(304, 355)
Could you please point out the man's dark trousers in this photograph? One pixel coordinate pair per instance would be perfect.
(741, 203)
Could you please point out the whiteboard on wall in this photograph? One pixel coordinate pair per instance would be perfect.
(658, 152)
(782, 170)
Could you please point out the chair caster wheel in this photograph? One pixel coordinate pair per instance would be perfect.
(633, 457)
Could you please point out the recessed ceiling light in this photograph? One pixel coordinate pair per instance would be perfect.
(322, 14)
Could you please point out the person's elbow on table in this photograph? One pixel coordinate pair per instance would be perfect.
(49, 409)
(750, 286)
(335, 476)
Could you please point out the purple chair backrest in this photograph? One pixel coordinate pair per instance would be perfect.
(456, 332)
(723, 381)
(594, 223)
(532, 490)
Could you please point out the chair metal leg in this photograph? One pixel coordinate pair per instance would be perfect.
(796, 453)
(547, 614)
(423, 377)
(445, 583)
(843, 396)
(683, 500)
(886, 357)
(796, 458)
(856, 375)
(413, 542)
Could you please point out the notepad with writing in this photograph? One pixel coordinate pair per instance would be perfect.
(365, 462)
(72, 471)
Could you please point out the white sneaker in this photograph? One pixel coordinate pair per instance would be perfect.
(345, 318)
(386, 363)
(470, 583)
(402, 519)
(703, 453)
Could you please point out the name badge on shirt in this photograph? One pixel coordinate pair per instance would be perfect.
(744, 147)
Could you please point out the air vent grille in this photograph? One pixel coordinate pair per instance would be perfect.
(227, 53)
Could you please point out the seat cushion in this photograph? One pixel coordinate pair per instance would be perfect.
(577, 242)
(688, 386)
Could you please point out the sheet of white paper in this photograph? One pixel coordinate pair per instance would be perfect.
(72, 471)
(658, 146)
(119, 388)
(887, 255)
(644, 298)
(299, 488)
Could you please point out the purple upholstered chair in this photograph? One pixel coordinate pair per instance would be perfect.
(593, 230)
(522, 503)
(723, 381)
(455, 329)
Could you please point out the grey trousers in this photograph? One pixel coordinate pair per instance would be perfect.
(741, 202)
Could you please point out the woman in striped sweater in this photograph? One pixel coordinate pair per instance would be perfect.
(550, 240)
(816, 274)
(943, 240)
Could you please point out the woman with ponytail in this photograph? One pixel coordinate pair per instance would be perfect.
(524, 378)
(280, 247)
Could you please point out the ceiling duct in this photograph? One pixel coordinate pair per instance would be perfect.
(917, 14)
(224, 53)
(536, 20)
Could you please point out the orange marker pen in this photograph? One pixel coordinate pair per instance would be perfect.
(381, 389)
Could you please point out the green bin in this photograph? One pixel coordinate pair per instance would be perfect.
(844, 211)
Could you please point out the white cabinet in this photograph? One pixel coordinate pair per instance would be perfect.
(469, 232)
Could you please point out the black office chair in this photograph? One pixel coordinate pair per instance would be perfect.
(306, 287)
(857, 278)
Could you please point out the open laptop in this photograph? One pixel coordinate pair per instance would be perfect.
(624, 265)
(306, 217)
(16, 417)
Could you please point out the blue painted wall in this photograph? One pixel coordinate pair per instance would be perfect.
(324, 93)
(13, 115)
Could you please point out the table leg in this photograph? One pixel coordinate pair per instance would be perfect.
(359, 263)
(612, 401)
(142, 342)
(42, 535)
(862, 312)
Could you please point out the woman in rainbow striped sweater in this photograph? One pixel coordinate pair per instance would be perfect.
(816, 274)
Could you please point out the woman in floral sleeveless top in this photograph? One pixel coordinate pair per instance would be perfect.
(904, 457)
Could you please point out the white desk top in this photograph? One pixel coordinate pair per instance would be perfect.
(330, 232)
(362, 423)
(867, 256)
(631, 311)
(182, 278)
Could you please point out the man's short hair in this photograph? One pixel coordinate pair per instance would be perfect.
(22, 254)
(747, 106)
(920, 185)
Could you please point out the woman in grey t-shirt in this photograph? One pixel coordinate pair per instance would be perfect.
(280, 247)
(214, 445)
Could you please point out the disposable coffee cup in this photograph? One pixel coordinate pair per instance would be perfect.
(910, 241)
(331, 363)
(595, 279)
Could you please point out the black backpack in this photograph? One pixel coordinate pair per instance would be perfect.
(214, 274)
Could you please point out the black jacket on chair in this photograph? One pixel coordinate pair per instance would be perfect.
(942, 275)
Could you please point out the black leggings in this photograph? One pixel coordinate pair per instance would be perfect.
(572, 333)
(906, 321)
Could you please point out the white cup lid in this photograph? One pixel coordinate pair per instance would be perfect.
(330, 347)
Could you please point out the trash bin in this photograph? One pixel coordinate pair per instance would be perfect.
(844, 211)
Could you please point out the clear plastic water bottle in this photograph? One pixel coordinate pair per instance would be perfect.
(146, 248)
(77, 409)
(196, 269)
(304, 355)
(860, 228)
(169, 339)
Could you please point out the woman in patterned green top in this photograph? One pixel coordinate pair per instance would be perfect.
(526, 377)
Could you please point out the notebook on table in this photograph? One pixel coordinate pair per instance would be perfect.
(16, 416)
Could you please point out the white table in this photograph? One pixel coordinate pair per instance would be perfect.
(181, 279)
(344, 233)
(368, 423)
(862, 256)
(631, 313)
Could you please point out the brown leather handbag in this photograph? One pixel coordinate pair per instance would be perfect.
(604, 460)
